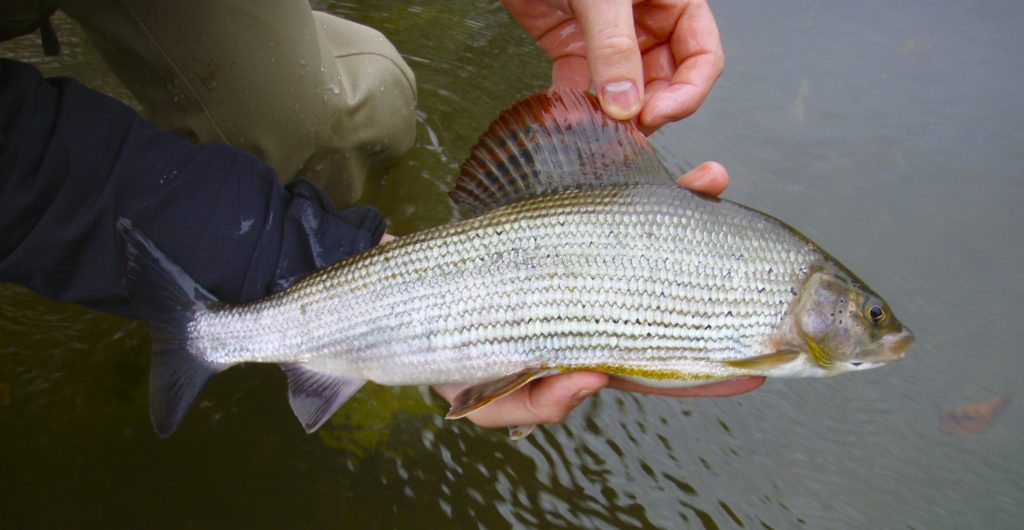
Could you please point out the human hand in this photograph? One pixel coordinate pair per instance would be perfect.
(653, 61)
(551, 399)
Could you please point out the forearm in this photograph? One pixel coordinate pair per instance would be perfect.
(73, 161)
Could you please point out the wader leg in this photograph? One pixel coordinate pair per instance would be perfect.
(309, 93)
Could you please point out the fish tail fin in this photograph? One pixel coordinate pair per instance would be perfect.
(167, 300)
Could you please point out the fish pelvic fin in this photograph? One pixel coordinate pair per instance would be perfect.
(315, 396)
(765, 363)
(167, 300)
(554, 141)
(518, 432)
(475, 397)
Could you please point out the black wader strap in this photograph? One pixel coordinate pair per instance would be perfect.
(51, 46)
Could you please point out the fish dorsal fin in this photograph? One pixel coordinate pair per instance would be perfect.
(554, 141)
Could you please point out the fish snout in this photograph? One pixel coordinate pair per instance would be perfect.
(897, 344)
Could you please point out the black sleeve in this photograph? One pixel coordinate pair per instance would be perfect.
(73, 161)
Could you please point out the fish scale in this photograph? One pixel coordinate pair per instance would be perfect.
(639, 277)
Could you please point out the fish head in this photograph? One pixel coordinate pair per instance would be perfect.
(842, 325)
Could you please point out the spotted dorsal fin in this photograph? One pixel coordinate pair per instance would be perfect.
(554, 141)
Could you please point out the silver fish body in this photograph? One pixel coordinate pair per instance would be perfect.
(650, 282)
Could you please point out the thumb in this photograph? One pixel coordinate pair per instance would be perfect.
(613, 55)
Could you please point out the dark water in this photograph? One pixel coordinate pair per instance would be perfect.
(891, 134)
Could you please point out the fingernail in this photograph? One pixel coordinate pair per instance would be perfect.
(620, 99)
(580, 396)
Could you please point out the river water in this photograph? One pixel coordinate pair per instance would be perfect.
(891, 133)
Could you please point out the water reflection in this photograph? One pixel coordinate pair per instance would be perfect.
(867, 127)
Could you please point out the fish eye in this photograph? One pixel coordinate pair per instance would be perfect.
(876, 313)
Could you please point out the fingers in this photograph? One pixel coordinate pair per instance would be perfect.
(731, 387)
(710, 177)
(551, 399)
(680, 99)
(570, 72)
(696, 47)
(613, 55)
(559, 34)
(547, 400)
(654, 62)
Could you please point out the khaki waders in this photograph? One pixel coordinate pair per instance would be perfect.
(307, 92)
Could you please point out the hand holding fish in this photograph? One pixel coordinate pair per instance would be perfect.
(652, 61)
(551, 399)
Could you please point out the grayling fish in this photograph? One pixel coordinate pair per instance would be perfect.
(585, 255)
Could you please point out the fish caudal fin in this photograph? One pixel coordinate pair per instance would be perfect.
(315, 396)
(167, 300)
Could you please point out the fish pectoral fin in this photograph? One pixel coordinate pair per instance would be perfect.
(315, 396)
(518, 432)
(764, 363)
(475, 397)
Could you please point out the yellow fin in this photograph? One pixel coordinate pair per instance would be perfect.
(764, 363)
(477, 396)
(821, 356)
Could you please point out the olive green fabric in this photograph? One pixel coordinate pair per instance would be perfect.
(309, 93)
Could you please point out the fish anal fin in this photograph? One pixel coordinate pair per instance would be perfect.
(477, 396)
(315, 396)
(766, 362)
(554, 141)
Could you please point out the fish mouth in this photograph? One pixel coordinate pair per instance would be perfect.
(892, 347)
(896, 344)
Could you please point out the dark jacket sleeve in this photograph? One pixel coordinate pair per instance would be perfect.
(73, 161)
